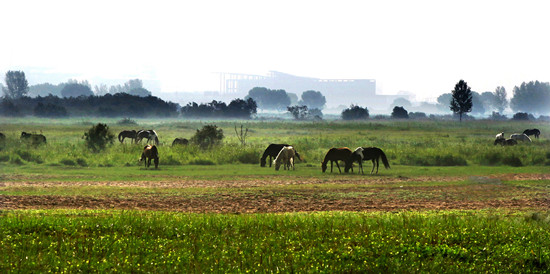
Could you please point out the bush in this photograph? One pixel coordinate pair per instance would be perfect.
(522, 116)
(399, 113)
(67, 162)
(208, 136)
(98, 137)
(512, 160)
(355, 113)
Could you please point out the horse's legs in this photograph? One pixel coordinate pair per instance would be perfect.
(373, 164)
(377, 164)
(361, 166)
(270, 160)
(331, 166)
(338, 167)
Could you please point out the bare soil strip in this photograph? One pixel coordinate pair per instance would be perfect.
(383, 194)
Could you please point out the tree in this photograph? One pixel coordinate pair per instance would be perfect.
(461, 101)
(313, 99)
(478, 105)
(76, 89)
(532, 97)
(355, 113)
(269, 99)
(400, 113)
(141, 92)
(240, 108)
(500, 101)
(17, 85)
(298, 112)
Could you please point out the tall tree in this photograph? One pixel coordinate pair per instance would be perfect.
(17, 85)
(500, 102)
(313, 99)
(531, 97)
(461, 101)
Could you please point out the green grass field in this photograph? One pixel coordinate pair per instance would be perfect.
(451, 202)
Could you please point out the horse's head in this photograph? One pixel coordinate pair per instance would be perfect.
(262, 162)
(323, 166)
(277, 164)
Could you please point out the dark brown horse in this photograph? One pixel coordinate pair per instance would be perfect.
(530, 132)
(272, 151)
(335, 155)
(132, 134)
(149, 153)
(367, 153)
(32, 138)
(506, 142)
(180, 141)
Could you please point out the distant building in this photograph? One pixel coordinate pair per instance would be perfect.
(337, 91)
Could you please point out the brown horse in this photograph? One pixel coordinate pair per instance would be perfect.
(180, 141)
(149, 153)
(335, 155)
(132, 134)
(367, 153)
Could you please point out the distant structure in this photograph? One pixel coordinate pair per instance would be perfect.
(337, 91)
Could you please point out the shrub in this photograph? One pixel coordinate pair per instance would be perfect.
(399, 113)
(208, 136)
(355, 113)
(67, 162)
(29, 157)
(98, 137)
(127, 121)
(4, 158)
(81, 162)
(512, 160)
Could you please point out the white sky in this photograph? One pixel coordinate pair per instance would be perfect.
(423, 47)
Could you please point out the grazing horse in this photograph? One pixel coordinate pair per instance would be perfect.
(500, 136)
(180, 141)
(367, 153)
(335, 155)
(506, 142)
(520, 137)
(149, 153)
(132, 134)
(285, 157)
(530, 132)
(35, 139)
(272, 151)
(149, 134)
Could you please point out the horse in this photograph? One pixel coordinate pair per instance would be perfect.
(180, 141)
(35, 139)
(367, 153)
(520, 137)
(285, 157)
(149, 153)
(500, 136)
(506, 142)
(149, 134)
(272, 151)
(530, 132)
(335, 155)
(132, 134)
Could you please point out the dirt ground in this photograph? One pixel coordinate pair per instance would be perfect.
(261, 196)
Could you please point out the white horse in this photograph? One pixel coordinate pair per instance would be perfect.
(285, 157)
(500, 136)
(520, 137)
(358, 156)
(149, 134)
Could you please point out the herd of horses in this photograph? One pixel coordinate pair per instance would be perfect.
(514, 138)
(281, 154)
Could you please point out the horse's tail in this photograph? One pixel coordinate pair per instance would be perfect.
(298, 155)
(384, 159)
(154, 151)
(120, 137)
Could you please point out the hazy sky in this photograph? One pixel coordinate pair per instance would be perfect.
(422, 47)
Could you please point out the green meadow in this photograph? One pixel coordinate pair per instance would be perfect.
(461, 203)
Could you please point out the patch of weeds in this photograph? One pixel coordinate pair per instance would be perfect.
(512, 160)
(67, 162)
(202, 162)
(16, 159)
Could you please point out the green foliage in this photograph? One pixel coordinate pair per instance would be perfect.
(355, 113)
(531, 97)
(313, 99)
(461, 101)
(336, 242)
(127, 121)
(399, 113)
(98, 137)
(17, 85)
(269, 99)
(208, 136)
